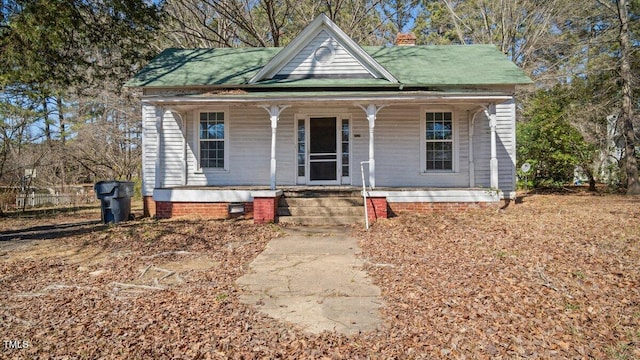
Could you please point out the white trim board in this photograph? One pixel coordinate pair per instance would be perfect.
(200, 195)
(434, 196)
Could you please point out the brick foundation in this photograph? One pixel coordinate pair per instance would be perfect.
(148, 206)
(377, 208)
(264, 209)
(166, 210)
(431, 207)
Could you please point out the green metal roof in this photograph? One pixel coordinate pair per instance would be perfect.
(437, 65)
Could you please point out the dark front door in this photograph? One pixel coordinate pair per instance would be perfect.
(323, 150)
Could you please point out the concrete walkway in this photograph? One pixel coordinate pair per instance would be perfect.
(313, 278)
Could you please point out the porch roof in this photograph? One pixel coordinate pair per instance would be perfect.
(419, 66)
(320, 97)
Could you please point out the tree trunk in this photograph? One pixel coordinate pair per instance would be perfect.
(63, 140)
(63, 130)
(631, 163)
(592, 183)
(47, 123)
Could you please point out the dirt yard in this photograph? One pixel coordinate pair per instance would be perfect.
(555, 276)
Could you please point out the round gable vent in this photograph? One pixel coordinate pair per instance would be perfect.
(324, 54)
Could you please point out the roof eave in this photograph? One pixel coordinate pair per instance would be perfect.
(385, 98)
(283, 85)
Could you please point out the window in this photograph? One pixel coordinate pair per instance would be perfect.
(439, 141)
(212, 140)
(301, 148)
(345, 147)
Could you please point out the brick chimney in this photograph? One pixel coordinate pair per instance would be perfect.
(408, 39)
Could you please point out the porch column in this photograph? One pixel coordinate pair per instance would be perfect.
(274, 115)
(472, 167)
(372, 111)
(159, 143)
(493, 165)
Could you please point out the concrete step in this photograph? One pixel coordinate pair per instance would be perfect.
(321, 220)
(321, 202)
(320, 211)
(318, 208)
(322, 193)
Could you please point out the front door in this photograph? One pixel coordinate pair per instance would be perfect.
(323, 150)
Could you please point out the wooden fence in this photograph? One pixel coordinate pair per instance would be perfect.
(40, 200)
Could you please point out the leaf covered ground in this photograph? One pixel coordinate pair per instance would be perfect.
(556, 276)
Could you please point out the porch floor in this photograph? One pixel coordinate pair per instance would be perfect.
(320, 188)
(392, 194)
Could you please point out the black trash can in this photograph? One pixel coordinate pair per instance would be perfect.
(115, 200)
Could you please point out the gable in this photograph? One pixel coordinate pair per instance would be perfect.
(323, 57)
(303, 55)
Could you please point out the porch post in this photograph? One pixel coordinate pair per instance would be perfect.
(472, 166)
(274, 115)
(272, 177)
(493, 165)
(159, 143)
(371, 117)
(372, 111)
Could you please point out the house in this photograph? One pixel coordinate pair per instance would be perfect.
(425, 127)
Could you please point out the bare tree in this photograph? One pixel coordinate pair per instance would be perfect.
(264, 23)
(231, 23)
(195, 24)
(108, 141)
(16, 116)
(522, 29)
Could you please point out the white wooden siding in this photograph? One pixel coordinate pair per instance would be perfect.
(359, 146)
(149, 148)
(305, 64)
(482, 150)
(249, 149)
(505, 144)
(397, 148)
(172, 154)
(287, 169)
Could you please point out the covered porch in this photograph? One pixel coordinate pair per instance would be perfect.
(365, 148)
(315, 151)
